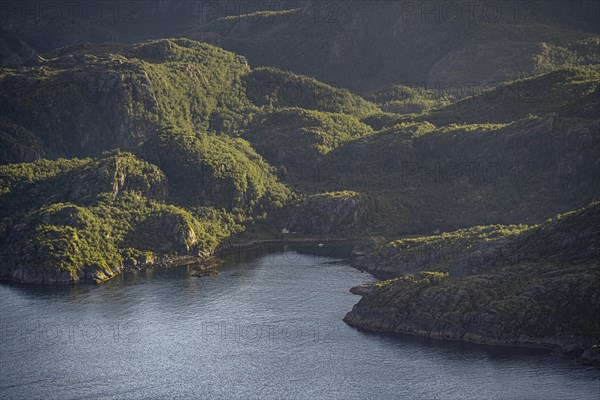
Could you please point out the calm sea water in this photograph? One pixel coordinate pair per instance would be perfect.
(265, 328)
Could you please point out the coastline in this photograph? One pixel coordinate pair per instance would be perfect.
(50, 277)
(574, 348)
(47, 276)
(232, 246)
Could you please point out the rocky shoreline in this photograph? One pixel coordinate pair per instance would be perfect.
(207, 259)
(504, 286)
(583, 350)
(93, 276)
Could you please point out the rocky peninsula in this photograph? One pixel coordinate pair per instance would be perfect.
(517, 286)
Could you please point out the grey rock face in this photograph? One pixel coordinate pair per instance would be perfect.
(330, 213)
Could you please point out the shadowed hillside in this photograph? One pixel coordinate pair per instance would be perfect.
(531, 286)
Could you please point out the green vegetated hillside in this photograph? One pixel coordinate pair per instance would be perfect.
(87, 99)
(267, 86)
(117, 157)
(213, 146)
(90, 219)
(566, 91)
(337, 119)
(185, 183)
(42, 26)
(364, 45)
(182, 111)
(298, 140)
(515, 285)
(573, 92)
(427, 178)
(410, 99)
(217, 171)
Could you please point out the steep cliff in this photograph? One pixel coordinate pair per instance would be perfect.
(334, 213)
